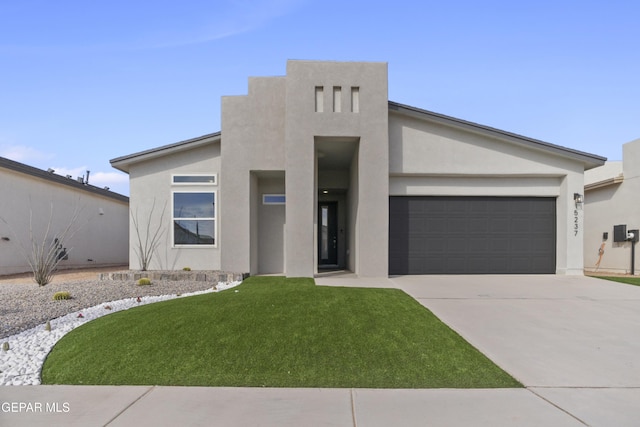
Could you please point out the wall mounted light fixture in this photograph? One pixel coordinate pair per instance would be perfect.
(578, 198)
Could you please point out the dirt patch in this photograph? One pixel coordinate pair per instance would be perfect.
(64, 275)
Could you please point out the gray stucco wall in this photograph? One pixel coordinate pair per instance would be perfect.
(613, 204)
(271, 227)
(151, 187)
(428, 158)
(274, 128)
(369, 125)
(253, 129)
(100, 233)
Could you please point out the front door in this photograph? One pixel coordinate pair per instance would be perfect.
(327, 234)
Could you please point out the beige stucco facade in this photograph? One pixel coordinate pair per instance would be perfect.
(326, 139)
(611, 193)
(36, 200)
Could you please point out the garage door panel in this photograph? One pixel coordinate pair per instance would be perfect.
(520, 225)
(478, 245)
(471, 235)
(498, 224)
(541, 245)
(432, 246)
(455, 245)
(477, 224)
(499, 245)
(521, 245)
(435, 224)
(458, 224)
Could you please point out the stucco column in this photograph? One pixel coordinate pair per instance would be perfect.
(300, 190)
(570, 226)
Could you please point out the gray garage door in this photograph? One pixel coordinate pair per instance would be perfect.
(472, 235)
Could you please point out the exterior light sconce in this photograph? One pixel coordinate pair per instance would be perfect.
(578, 198)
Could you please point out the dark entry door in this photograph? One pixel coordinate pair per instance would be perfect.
(327, 233)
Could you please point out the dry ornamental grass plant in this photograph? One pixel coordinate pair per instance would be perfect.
(44, 252)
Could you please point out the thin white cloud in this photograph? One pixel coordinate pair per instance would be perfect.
(108, 179)
(226, 19)
(240, 17)
(24, 154)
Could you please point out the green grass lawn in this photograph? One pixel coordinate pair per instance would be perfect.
(274, 332)
(622, 279)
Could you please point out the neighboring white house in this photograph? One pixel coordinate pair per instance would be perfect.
(318, 170)
(34, 200)
(612, 213)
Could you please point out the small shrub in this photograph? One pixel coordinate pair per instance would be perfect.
(186, 269)
(59, 296)
(5, 346)
(47, 326)
(144, 282)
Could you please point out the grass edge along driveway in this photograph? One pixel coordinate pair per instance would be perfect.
(275, 332)
(621, 279)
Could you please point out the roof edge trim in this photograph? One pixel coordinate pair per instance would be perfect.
(122, 163)
(590, 160)
(604, 183)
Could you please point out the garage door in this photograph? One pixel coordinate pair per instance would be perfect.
(472, 235)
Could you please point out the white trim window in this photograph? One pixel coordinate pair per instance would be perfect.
(194, 218)
(194, 179)
(194, 212)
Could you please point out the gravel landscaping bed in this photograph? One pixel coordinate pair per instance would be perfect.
(26, 305)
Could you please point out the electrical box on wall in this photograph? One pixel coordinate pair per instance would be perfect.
(620, 233)
(632, 235)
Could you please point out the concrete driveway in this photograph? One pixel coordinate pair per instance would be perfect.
(572, 340)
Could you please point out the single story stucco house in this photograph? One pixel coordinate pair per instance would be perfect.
(612, 214)
(318, 170)
(38, 205)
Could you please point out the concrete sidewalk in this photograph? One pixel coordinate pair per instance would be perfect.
(572, 341)
(201, 406)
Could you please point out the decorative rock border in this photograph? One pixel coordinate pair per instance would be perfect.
(212, 276)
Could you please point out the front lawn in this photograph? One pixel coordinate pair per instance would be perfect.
(275, 332)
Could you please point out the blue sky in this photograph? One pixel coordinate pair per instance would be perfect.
(82, 82)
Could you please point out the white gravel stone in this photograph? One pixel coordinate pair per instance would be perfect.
(22, 363)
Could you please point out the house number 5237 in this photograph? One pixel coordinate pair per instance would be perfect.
(575, 222)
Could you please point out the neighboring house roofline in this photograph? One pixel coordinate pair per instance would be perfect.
(604, 183)
(589, 160)
(59, 179)
(122, 163)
